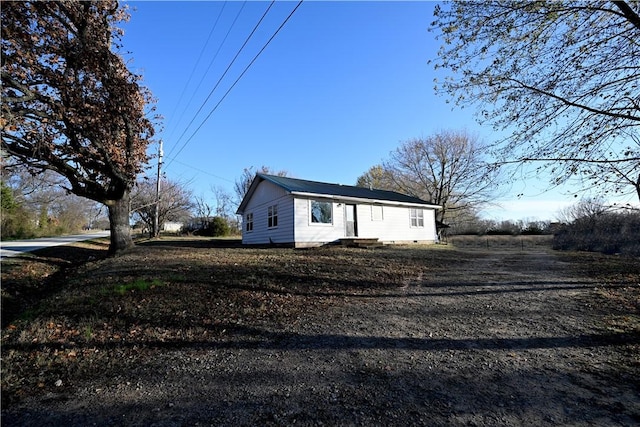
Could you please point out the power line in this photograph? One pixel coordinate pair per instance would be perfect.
(237, 80)
(215, 56)
(193, 70)
(200, 170)
(224, 74)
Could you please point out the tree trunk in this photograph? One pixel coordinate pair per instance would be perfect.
(119, 220)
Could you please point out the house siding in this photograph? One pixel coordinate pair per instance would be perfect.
(395, 226)
(265, 195)
(309, 234)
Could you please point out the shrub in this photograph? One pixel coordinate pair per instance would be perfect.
(219, 227)
(213, 227)
(608, 232)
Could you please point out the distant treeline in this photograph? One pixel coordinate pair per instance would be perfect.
(480, 227)
(606, 232)
(590, 225)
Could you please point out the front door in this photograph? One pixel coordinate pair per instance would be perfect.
(351, 223)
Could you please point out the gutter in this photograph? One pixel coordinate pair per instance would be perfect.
(362, 200)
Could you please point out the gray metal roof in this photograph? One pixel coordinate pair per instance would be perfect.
(301, 186)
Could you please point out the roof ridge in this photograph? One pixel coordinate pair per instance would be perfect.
(327, 183)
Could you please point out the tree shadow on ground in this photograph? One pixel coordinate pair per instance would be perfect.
(187, 242)
(241, 337)
(30, 278)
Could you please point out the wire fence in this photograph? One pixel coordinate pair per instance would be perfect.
(501, 242)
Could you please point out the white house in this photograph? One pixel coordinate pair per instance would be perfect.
(300, 213)
(172, 226)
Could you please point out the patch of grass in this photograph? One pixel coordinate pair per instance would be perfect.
(618, 290)
(29, 314)
(136, 285)
(88, 332)
(608, 268)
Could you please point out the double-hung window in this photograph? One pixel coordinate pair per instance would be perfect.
(376, 213)
(248, 222)
(417, 217)
(272, 216)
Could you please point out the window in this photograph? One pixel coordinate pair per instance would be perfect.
(417, 217)
(272, 216)
(321, 212)
(376, 213)
(248, 221)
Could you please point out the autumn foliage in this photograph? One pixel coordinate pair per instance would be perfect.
(71, 105)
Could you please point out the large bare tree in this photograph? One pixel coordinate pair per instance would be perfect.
(448, 168)
(561, 77)
(70, 104)
(378, 177)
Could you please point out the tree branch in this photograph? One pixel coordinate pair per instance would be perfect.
(567, 159)
(567, 102)
(628, 13)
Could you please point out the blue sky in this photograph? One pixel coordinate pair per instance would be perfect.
(339, 88)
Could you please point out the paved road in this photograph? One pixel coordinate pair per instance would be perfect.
(17, 247)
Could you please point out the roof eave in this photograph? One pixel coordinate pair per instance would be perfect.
(364, 200)
(252, 188)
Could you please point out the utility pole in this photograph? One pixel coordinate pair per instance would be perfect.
(156, 224)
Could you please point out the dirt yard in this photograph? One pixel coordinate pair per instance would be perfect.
(195, 332)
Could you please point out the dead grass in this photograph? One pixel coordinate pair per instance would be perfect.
(73, 318)
(77, 314)
(619, 277)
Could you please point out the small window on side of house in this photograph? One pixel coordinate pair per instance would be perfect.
(376, 213)
(417, 217)
(248, 221)
(272, 216)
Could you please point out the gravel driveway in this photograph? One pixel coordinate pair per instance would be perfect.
(509, 338)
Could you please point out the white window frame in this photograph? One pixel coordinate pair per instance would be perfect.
(248, 222)
(374, 208)
(416, 217)
(320, 224)
(272, 216)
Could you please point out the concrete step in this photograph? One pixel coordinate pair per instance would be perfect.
(359, 242)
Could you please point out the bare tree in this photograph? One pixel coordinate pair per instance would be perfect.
(32, 190)
(224, 202)
(243, 183)
(378, 177)
(176, 202)
(590, 225)
(204, 213)
(447, 169)
(45, 207)
(560, 76)
(585, 208)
